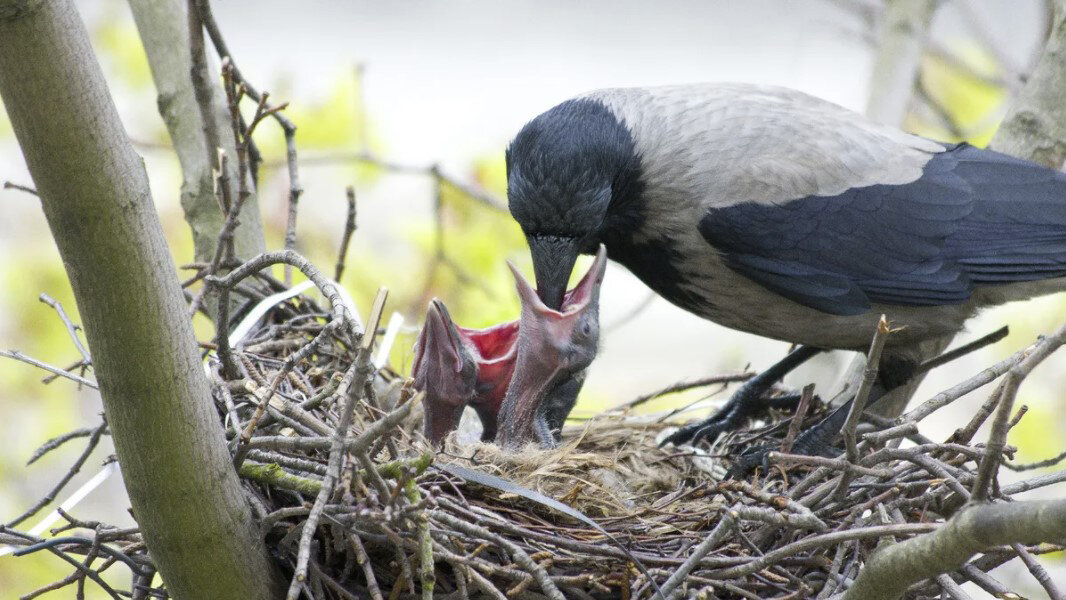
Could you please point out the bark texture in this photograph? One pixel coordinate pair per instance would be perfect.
(975, 528)
(1035, 125)
(94, 191)
(164, 29)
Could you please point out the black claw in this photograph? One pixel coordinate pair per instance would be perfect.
(818, 439)
(748, 401)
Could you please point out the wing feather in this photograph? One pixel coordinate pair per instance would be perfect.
(974, 217)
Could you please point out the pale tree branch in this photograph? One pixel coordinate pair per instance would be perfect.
(1035, 125)
(975, 528)
(95, 196)
(164, 30)
(902, 32)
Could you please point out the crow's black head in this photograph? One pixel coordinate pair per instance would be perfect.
(567, 171)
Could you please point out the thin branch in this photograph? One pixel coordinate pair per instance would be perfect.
(15, 354)
(997, 438)
(681, 387)
(10, 185)
(94, 439)
(72, 329)
(346, 238)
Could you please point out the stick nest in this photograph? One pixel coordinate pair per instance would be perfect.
(800, 530)
(353, 503)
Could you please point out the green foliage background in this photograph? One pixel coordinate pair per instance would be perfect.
(474, 237)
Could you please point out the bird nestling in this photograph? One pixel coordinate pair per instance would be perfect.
(555, 347)
(456, 367)
(521, 377)
(776, 213)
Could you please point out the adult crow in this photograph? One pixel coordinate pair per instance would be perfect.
(774, 212)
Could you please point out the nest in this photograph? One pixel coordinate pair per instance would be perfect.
(354, 503)
(400, 520)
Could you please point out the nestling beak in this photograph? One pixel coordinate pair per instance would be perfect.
(554, 347)
(445, 370)
(553, 261)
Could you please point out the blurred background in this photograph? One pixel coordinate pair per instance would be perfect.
(418, 84)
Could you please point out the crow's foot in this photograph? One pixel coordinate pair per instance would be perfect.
(816, 440)
(748, 401)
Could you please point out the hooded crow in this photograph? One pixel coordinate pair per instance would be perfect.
(776, 213)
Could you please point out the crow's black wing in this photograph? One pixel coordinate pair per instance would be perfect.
(975, 217)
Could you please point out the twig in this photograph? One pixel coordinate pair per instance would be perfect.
(1039, 573)
(816, 541)
(337, 453)
(975, 528)
(519, 555)
(203, 8)
(858, 405)
(836, 464)
(997, 438)
(94, 439)
(1047, 462)
(58, 441)
(9, 185)
(201, 84)
(726, 523)
(53, 542)
(967, 348)
(952, 394)
(72, 329)
(15, 354)
(797, 419)
(681, 387)
(346, 238)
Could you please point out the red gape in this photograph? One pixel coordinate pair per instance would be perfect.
(544, 354)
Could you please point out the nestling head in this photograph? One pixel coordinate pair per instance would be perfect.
(445, 370)
(554, 347)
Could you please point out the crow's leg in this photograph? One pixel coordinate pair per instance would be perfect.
(748, 401)
(817, 440)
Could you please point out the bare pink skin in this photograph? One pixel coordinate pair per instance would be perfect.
(445, 370)
(554, 348)
(456, 366)
(494, 350)
(537, 361)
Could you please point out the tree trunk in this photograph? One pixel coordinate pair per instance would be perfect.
(903, 29)
(164, 30)
(1035, 126)
(94, 191)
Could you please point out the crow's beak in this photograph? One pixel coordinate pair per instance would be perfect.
(553, 347)
(553, 261)
(445, 370)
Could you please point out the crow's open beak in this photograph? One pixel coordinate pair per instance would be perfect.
(553, 347)
(445, 370)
